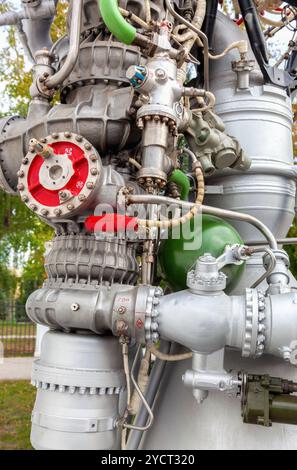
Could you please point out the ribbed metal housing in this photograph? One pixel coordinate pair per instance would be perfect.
(84, 259)
(80, 384)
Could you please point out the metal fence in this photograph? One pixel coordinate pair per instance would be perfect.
(17, 335)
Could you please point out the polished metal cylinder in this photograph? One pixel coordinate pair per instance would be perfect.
(80, 391)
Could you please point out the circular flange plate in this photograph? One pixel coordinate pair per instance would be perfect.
(63, 183)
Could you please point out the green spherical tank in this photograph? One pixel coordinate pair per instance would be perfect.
(178, 254)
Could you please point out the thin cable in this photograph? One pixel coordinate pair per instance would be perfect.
(199, 33)
(135, 18)
(125, 352)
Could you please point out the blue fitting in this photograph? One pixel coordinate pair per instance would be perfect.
(139, 76)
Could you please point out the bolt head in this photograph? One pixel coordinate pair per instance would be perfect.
(75, 307)
(62, 194)
(122, 310)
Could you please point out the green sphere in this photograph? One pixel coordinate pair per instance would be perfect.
(178, 256)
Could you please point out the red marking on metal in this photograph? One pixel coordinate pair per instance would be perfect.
(139, 324)
(110, 223)
(80, 164)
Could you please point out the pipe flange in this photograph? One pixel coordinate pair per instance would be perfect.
(8, 178)
(61, 179)
(254, 337)
(198, 283)
(151, 324)
(251, 323)
(261, 325)
(146, 314)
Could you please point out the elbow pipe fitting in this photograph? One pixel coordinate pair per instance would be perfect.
(198, 322)
(183, 182)
(251, 323)
(115, 22)
(12, 17)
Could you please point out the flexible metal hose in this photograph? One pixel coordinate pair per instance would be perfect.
(169, 223)
(223, 213)
(170, 357)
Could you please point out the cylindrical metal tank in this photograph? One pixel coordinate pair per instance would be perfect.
(261, 119)
(80, 388)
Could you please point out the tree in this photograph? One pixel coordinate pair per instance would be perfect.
(22, 234)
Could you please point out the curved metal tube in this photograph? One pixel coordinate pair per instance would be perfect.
(115, 22)
(270, 267)
(199, 33)
(152, 390)
(74, 41)
(145, 199)
(144, 401)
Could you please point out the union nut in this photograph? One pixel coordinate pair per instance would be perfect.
(121, 327)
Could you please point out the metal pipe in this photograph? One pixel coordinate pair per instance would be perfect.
(271, 266)
(135, 437)
(74, 41)
(12, 17)
(280, 241)
(146, 426)
(115, 22)
(199, 33)
(223, 213)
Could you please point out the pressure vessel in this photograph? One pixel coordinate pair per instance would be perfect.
(178, 254)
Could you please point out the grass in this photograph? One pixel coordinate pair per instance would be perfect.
(16, 404)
